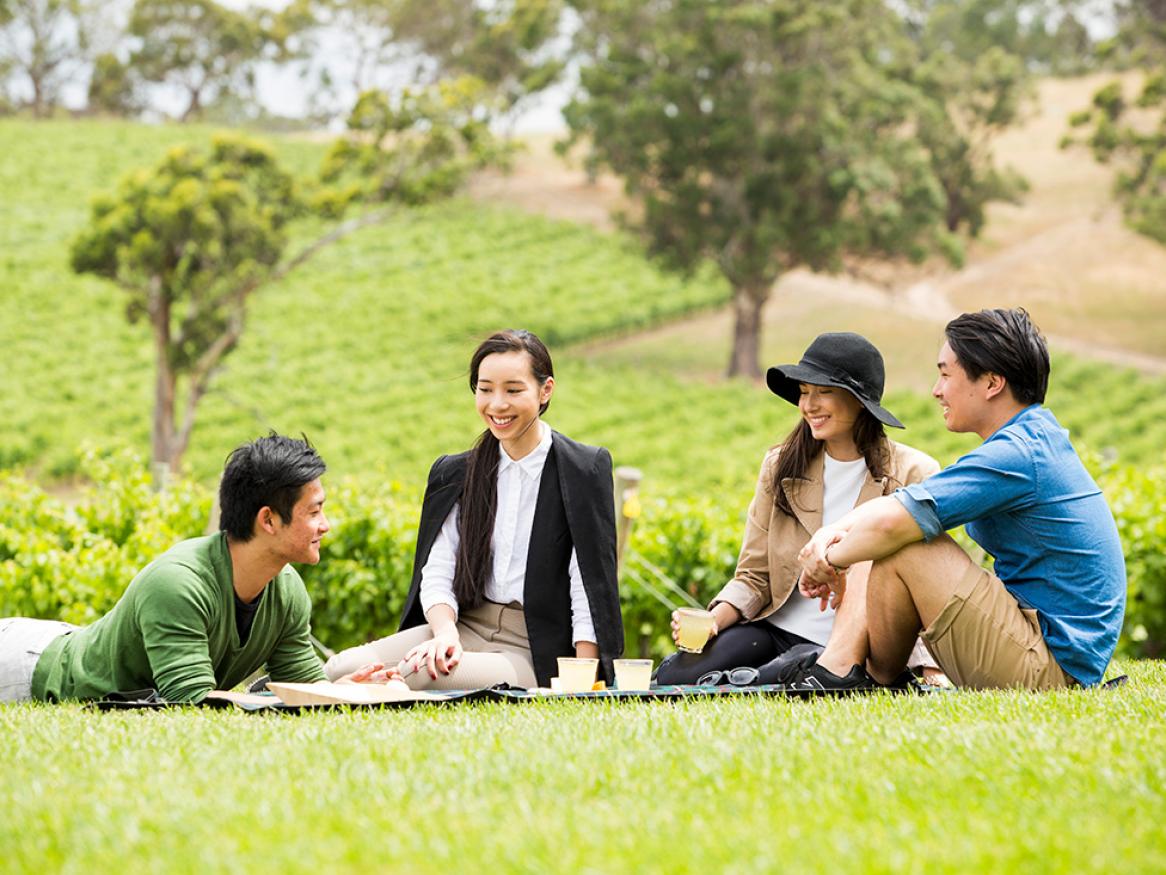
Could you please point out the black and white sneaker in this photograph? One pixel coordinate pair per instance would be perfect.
(817, 679)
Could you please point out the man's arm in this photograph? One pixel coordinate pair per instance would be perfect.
(174, 626)
(293, 658)
(872, 530)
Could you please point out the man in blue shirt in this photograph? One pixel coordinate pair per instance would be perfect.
(1051, 614)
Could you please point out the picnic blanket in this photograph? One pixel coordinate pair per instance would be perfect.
(269, 701)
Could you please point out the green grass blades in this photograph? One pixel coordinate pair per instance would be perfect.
(963, 782)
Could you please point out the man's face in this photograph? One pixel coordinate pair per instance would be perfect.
(299, 539)
(963, 400)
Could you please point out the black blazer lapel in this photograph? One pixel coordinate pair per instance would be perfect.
(589, 503)
(546, 596)
(443, 491)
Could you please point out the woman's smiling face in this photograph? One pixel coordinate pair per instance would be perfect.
(831, 414)
(509, 398)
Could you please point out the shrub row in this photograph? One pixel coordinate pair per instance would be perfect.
(70, 558)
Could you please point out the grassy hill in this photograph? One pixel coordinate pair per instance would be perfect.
(365, 349)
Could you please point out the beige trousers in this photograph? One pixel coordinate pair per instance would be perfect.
(984, 639)
(496, 650)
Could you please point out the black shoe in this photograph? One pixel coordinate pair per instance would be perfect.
(817, 679)
(259, 685)
(791, 665)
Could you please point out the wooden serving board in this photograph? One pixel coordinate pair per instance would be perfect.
(324, 693)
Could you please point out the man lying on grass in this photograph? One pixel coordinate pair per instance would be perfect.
(208, 612)
(1050, 615)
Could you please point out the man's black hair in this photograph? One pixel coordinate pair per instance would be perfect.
(268, 472)
(1003, 342)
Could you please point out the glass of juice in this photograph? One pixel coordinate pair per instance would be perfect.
(633, 674)
(696, 626)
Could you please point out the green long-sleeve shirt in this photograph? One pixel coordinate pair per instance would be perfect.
(174, 630)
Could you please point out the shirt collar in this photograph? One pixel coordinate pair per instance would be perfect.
(532, 463)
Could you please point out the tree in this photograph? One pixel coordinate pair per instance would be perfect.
(762, 135)
(45, 43)
(970, 67)
(193, 238)
(505, 44)
(189, 241)
(198, 46)
(415, 147)
(1132, 134)
(112, 88)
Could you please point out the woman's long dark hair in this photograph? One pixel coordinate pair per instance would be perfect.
(800, 448)
(479, 498)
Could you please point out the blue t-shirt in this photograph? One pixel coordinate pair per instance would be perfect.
(1028, 501)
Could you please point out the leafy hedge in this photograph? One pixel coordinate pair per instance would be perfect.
(71, 559)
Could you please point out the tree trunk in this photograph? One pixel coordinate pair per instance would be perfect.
(162, 434)
(748, 300)
(194, 108)
(39, 110)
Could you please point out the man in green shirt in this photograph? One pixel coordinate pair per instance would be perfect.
(208, 612)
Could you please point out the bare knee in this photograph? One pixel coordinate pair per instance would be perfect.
(928, 571)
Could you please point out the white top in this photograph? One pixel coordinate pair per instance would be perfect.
(518, 484)
(841, 482)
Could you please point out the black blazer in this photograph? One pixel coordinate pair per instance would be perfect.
(575, 508)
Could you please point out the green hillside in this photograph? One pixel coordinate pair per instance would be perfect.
(365, 348)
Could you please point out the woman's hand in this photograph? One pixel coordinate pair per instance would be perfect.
(441, 653)
(724, 616)
(373, 673)
(676, 628)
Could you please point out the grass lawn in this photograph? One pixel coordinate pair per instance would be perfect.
(963, 782)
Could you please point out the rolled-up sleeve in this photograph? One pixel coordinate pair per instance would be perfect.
(996, 477)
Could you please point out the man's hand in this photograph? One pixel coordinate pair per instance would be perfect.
(442, 653)
(820, 579)
(373, 673)
(828, 592)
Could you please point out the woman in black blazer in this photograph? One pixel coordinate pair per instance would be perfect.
(515, 561)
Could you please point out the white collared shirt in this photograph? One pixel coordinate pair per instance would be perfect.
(518, 485)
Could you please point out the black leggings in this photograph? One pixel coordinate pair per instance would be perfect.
(757, 645)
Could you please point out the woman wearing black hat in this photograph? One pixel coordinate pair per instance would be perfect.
(837, 456)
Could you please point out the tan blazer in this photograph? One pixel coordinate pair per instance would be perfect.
(767, 569)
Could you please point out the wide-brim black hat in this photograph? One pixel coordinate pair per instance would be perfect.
(842, 359)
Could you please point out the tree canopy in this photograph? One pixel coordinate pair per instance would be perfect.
(45, 43)
(761, 135)
(507, 45)
(1129, 132)
(198, 46)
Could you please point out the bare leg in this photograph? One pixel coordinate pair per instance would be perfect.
(849, 642)
(907, 590)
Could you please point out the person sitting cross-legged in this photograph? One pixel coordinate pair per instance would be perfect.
(838, 455)
(1050, 614)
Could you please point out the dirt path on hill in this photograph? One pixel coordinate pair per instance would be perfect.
(1094, 286)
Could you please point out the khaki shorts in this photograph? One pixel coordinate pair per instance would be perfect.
(984, 639)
